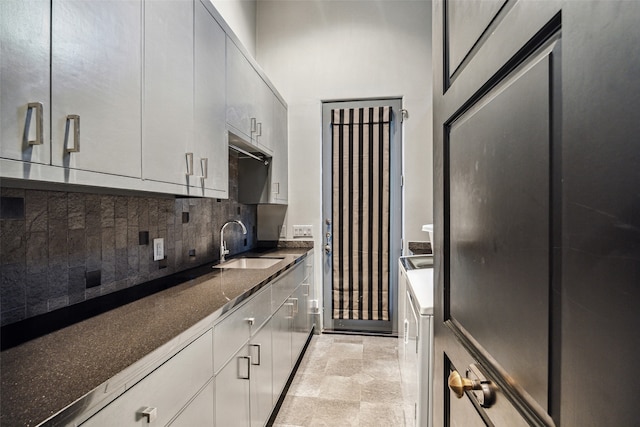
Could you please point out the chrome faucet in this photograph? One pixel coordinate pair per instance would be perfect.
(223, 246)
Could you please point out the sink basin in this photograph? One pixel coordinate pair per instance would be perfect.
(250, 263)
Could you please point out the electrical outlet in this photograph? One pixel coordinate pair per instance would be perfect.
(302, 231)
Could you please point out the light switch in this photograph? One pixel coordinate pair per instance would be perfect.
(158, 249)
(302, 231)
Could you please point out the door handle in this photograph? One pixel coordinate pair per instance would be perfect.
(290, 304)
(76, 133)
(259, 347)
(248, 365)
(459, 385)
(189, 158)
(204, 165)
(37, 106)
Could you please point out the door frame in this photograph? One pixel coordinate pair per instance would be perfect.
(395, 212)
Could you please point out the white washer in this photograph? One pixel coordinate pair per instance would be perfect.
(415, 314)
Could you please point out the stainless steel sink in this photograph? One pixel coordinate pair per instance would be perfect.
(250, 263)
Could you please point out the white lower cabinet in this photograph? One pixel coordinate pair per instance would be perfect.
(161, 395)
(232, 404)
(254, 348)
(282, 323)
(261, 383)
(300, 325)
(244, 385)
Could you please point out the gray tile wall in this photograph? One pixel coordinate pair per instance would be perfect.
(53, 244)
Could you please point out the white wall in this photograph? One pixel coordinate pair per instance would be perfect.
(240, 15)
(315, 50)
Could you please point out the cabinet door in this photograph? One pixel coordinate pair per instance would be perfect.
(232, 391)
(231, 333)
(282, 324)
(300, 331)
(96, 65)
(261, 383)
(264, 115)
(200, 410)
(210, 147)
(242, 87)
(24, 79)
(280, 160)
(168, 91)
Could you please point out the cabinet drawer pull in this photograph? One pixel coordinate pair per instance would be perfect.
(76, 133)
(189, 157)
(253, 125)
(38, 107)
(276, 188)
(259, 130)
(257, 359)
(308, 286)
(246, 359)
(295, 305)
(150, 414)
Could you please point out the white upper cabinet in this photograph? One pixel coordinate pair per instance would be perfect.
(131, 94)
(280, 160)
(24, 80)
(264, 98)
(211, 147)
(96, 54)
(242, 86)
(249, 101)
(168, 107)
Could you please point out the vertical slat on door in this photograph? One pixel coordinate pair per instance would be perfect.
(360, 152)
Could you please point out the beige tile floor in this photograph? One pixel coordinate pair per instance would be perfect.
(346, 380)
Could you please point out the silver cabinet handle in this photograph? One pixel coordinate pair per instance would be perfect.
(308, 286)
(295, 302)
(253, 125)
(76, 133)
(259, 131)
(38, 107)
(290, 304)
(406, 331)
(150, 414)
(248, 365)
(259, 347)
(189, 157)
(276, 188)
(204, 165)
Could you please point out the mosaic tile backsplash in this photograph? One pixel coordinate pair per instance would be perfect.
(62, 248)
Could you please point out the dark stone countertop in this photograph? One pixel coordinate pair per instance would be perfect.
(111, 350)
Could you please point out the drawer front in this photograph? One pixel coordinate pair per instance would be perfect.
(200, 410)
(230, 334)
(284, 287)
(260, 309)
(165, 391)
